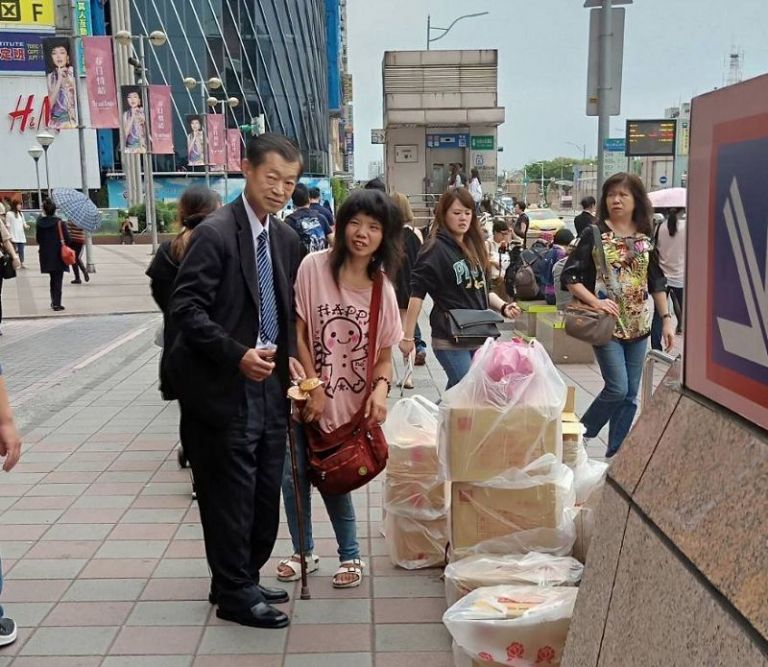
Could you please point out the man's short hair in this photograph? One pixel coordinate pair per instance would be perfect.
(314, 193)
(300, 196)
(260, 146)
(588, 202)
(521, 204)
(376, 184)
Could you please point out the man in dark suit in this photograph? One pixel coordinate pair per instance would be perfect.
(587, 215)
(231, 366)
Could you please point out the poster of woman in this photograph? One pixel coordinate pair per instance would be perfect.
(195, 141)
(60, 76)
(133, 120)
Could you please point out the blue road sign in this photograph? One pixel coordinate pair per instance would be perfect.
(448, 140)
(663, 180)
(614, 145)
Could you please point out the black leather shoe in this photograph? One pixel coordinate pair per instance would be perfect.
(260, 615)
(274, 595)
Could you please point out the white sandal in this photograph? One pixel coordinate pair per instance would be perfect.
(355, 567)
(294, 565)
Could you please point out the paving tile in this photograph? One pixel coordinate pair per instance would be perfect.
(238, 661)
(125, 568)
(91, 590)
(143, 531)
(69, 641)
(412, 637)
(235, 639)
(20, 532)
(322, 588)
(182, 568)
(30, 517)
(85, 473)
(177, 589)
(341, 612)
(57, 489)
(153, 516)
(110, 489)
(124, 477)
(48, 568)
(49, 590)
(66, 614)
(317, 639)
(430, 659)
(189, 531)
(381, 566)
(78, 531)
(92, 515)
(103, 502)
(408, 587)
(116, 548)
(15, 548)
(29, 614)
(58, 661)
(146, 501)
(156, 641)
(148, 661)
(188, 613)
(409, 610)
(43, 502)
(329, 660)
(60, 549)
(179, 485)
(186, 549)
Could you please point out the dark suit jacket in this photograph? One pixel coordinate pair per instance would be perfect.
(214, 307)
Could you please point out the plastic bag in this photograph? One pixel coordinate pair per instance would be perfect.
(584, 521)
(588, 476)
(522, 626)
(421, 499)
(519, 500)
(504, 414)
(461, 659)
(411, 433)
(536, 569)
(416, 544)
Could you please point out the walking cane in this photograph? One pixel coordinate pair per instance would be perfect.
(305, 594)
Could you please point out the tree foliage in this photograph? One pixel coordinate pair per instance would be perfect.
(560, 167)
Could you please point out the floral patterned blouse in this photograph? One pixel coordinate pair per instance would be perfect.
(634, 276)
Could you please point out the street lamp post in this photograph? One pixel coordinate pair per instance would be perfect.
(156, 38)
(45, 139)
(581, 147)
(231, 102)
(35, 152)
(190, 83)
(445, 31)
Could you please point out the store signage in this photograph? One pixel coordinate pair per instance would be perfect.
(83, 29)
(483, 143)
(447, 140)
(30, 116)
(161, 120)
(21, 52)
(27, 15)
(102, 91)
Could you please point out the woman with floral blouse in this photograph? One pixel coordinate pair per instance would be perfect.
(624, 224)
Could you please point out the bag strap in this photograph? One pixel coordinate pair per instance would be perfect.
(373, 327)
(602, 264)
(61, 234)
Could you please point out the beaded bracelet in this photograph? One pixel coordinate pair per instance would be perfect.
(381, 378)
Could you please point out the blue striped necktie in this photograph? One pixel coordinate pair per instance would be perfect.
(268, 327)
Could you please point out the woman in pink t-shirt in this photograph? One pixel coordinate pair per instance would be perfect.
(333, 298)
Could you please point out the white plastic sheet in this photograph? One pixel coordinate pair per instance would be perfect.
(536, 569)
(588, 477)
(522, 626)
(411, 432)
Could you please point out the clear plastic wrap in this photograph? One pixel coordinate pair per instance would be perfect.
(415, 544)
(505, 413)
(522, 626)
(584, 520)
(588, 477)
(536, 569)
(518, 500)
(574, 453)
(420, 499)
(411, 433)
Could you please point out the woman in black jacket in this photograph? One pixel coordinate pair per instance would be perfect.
(51, 234)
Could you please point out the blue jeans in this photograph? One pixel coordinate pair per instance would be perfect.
(455, 363)
(621, 364)
(340, 509)
(20, 251)
(421, 345)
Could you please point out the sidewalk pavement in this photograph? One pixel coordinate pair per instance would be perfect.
(118, 286)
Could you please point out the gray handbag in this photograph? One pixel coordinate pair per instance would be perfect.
(584, 322)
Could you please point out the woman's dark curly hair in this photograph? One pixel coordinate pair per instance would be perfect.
(380, 207)
(643, 213)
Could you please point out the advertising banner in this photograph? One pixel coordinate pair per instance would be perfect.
(102, 91)
(217, 150)
(134, 121)
(195, 140)
(161, 120)
(21, 52)
(83, 28)
(27, 15)
(60, 78)
(234, 149)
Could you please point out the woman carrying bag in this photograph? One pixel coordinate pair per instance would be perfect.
(346, 381)
(451, 268)
(614, 275)
(10, 262)
(17, 226)
(53, 247)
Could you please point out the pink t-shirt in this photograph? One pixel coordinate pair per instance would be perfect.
(337, 318)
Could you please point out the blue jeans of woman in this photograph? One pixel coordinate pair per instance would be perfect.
(20, 251)
(340, 509)
(621, 364)
(455, 363)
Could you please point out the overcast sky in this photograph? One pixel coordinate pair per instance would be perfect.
(674, 49)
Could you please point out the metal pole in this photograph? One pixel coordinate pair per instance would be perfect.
(89, 265)
(47, 173)
(604, 86)
(429, 23)
(39, 191)
(148, 178)
(226, 159)
(204, 124)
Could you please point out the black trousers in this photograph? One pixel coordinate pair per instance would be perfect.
(78, 265)
(238, 469)
(57, 277)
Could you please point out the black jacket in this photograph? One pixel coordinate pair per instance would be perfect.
(162, 272)
(442, 271)
(215, 308)
(583, 220)
(49, 244)
(411, 244)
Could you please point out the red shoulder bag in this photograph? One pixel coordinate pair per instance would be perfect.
(66, 253)
(353, 454)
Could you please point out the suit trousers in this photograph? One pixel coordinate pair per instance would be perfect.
(238, 468)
